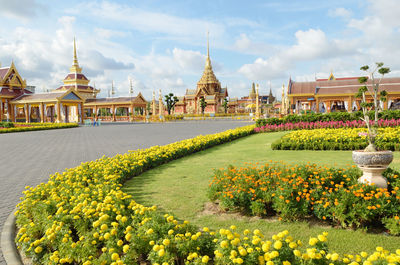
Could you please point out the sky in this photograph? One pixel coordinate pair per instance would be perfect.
(163, 44)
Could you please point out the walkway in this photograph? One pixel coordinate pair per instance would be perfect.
(29, 158)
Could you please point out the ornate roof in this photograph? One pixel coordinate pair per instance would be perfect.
(208, 76)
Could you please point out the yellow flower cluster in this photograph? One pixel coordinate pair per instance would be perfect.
(21, 127)
(82, 216)
(338, 139)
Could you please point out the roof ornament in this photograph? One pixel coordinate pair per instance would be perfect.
(75, 65)
(131, 87)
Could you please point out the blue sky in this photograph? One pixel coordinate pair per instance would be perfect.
(162, 44)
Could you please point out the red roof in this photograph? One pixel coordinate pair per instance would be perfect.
(339, 78)
(16, 92)
(3, 72)
(78, 76)
(72, 86)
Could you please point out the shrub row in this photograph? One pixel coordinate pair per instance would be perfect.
(337, 139)
(324, 124)
(81, 216)
(295, 192)
(23, 127)
(333, 116)
(6, 124)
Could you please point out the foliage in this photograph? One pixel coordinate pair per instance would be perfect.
(23, 127)
(338, 139)
(81, 215)
(323, 125)
(170, 100)
(6, 124)
(296, 192)
(366, 106)
(225, 105)
(332, 116)
(203, 105)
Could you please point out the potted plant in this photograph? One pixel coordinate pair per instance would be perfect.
(372, 161)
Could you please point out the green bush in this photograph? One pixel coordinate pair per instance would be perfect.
(297, 192)
(332, 116)
(6, 124)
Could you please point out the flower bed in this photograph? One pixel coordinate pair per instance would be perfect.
(323, 125)
(22, 127)
(81, 216)
(332, 116)
(337, 139)
(296, 192)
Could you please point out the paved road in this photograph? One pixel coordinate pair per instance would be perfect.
(28, 158)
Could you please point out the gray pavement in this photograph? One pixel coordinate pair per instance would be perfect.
(28, 158)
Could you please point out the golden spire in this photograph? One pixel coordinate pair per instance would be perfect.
(208, 76)
(75, 66)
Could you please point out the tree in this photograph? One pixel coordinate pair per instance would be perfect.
(170, 100)
(203, 105)
(225, 104)
(372, 90)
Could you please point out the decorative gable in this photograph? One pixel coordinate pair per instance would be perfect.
(72, 96)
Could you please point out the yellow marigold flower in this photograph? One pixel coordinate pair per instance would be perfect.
(322, 238)
(166, 242)
(334, 256)
(161, 252)
(242, 252)
(313, 241)
(224, 244)
(278, 245)
(205, 259)
(114, 256)
(125, 248)
(380, 249)
(38, 249)
(270, 262)
(120, 243)
(238, 261)
(286, 262)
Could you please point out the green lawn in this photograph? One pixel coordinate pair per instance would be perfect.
(180, 188)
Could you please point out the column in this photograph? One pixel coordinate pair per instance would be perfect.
(130, 114)
(26, 113)
(113, 113)
(328, 106)
(317, 105)
(41, 112)
(350, 104)
(58, 112)
(1, 110)
(95, 113)
(386, 103)
(82, 114)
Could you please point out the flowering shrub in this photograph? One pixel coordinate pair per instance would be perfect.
(296, 192)
(6, 124)
(332, 116)
(22, 127)
(337, 139)
(323, 125)
(81, 216)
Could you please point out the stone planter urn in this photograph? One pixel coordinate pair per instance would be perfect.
(373, 164)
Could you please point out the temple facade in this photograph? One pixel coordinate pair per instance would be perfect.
(74, 101)
(335, 94)
(208, 90)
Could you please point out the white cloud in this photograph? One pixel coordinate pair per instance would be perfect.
(149, 21)
(189, 60)
(108, 33)
(340, 12)
(21, 9)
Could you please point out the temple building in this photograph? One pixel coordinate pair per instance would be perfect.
(208, 88)
(74, 101)
(336, 94)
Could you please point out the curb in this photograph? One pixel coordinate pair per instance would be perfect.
(8, 247)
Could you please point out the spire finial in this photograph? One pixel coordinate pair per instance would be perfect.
(208, 44)
(75, 65)
(75, 57)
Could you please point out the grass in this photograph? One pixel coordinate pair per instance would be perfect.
(180, 187)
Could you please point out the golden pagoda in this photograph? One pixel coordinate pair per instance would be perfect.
(78, 81)
(208, 80)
